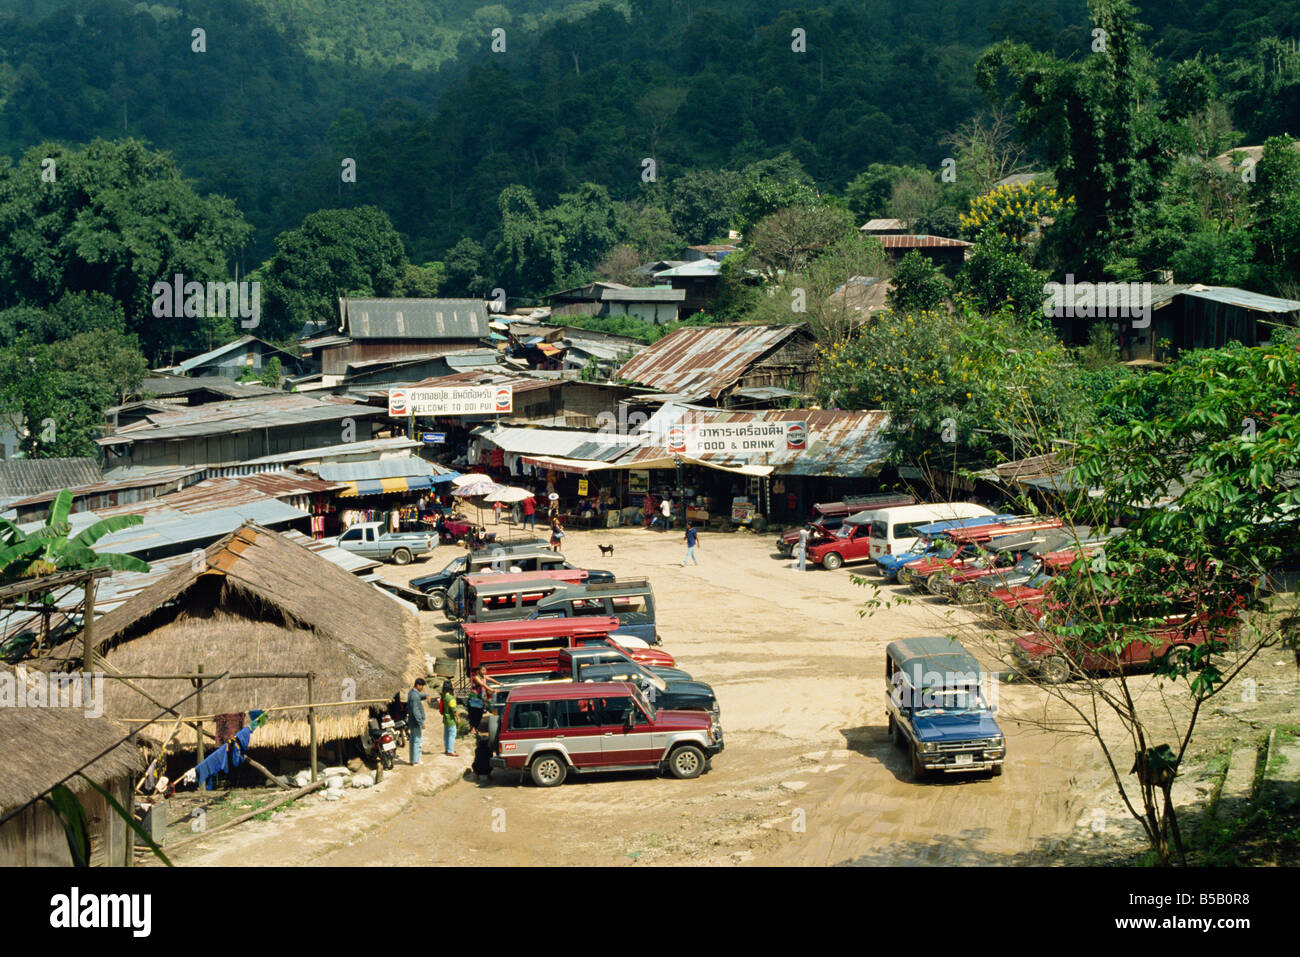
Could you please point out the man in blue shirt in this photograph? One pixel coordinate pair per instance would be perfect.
(691, 538)
(415, 719)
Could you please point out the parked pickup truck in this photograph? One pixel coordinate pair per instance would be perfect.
(829, 516)
(527, 557)
(1056, 658)
(531, 648)
(937, 710)
(369, 540)
(630, 600)
(551, 730)
(929, 539)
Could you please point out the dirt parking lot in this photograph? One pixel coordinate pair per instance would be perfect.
(808, 775)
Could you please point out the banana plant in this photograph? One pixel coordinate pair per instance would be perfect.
(49, 549)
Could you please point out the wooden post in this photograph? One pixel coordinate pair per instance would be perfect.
(198, 703)
(311, 719)
(87, 630)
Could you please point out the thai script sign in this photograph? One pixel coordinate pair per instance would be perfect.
(737, 438)
(451, 400)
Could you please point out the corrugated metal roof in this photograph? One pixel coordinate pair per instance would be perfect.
(348, 561)
(167, 385)
(704, 359)
(415, 318)
(849, 444)
(373, 469)
(339, 451)
(195, 362)
(700, 268)
(220, 418)
(23, 477)
(112, 485)
(1231, 296)
(564, 443)
(919, 241)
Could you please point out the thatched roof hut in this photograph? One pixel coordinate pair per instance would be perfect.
(261, 603)
(43, 745)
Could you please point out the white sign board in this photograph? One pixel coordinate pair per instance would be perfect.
(451, 400)
(737, 438)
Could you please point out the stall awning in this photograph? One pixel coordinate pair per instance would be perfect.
(560, 464)
(670, 462)
(402, 483)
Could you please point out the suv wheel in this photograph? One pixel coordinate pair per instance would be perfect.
(832, 561)
(686, 761)
(1056, 670)
(895, 733)
(401, 556)
(436, 600)
(918, 769)
(933, 582)
(548, 770)
(997, 771)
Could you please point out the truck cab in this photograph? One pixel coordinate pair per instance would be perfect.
(631, 601)
(938, 709)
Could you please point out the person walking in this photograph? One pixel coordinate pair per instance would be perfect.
(530, 513)
(415, 719)
(691, 538)
(480, 695)
(666, 512)
(448, 719)
(803, 549)
(557, 533)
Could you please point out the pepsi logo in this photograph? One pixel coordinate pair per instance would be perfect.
(796, 437)
(397, 402)
(676, 439)
(503, 400)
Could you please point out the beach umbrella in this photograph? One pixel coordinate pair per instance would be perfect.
(508, 494)
(477, 489)
(469, 478)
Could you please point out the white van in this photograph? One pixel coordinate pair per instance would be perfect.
(893, 530)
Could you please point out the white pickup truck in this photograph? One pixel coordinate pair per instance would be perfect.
(371, 541)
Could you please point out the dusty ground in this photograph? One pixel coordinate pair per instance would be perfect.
(808, 775)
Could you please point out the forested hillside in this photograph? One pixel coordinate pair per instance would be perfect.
(287, 88)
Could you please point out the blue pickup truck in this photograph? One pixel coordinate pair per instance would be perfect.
(938, 709)
(926, 538)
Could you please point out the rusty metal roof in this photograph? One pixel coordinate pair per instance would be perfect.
(848, 444)
(918, 241)
(704, 359)
(23, 477)
(241, 415)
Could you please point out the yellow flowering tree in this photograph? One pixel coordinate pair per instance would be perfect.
(1014, 210)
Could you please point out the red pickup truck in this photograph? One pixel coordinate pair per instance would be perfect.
(1057, 658)
(828, 517)
(532, 646)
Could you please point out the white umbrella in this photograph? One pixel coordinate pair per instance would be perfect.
(508, 493)
(468, 478)
(476, 489)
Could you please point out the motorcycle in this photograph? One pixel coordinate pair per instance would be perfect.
(386, 735)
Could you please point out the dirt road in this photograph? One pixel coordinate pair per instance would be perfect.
(808, 775)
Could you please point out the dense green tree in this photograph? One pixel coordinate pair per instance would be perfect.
(996, 276)
(116, 218)
(700, 204)
(918, 285)
(333, 254)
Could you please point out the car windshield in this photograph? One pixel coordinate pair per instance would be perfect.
(949, 701)
(454, 566)
(947, 551)
(1027, 564)
(845, 530)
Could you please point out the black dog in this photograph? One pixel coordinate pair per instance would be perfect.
(606, 550)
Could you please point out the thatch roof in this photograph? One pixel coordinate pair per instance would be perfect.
(263, 604)
(43, 745)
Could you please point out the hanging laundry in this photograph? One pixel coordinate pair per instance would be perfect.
(228, 725)
(256, 719)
